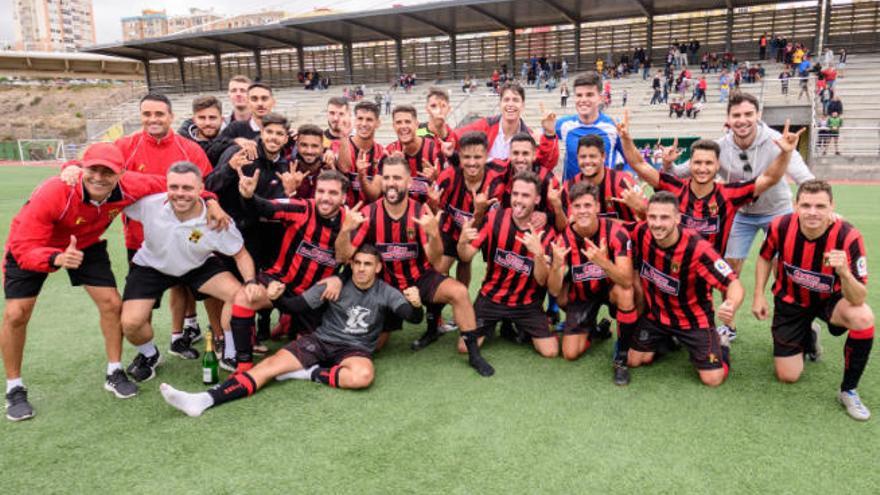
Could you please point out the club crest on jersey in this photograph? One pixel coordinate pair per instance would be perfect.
(411, 233)
(79, 221)
(112, 213)
(713, 208)
(675, 267)
(195, 236)
(141, 167)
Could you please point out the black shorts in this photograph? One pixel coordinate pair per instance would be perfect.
(427, 285)
(791, 324)
(310, 350)
(580, 316)
(231, 266)
(303, 323)
(144, 282)
(94, 271)
(450, 245)
(703, 344)
(529, 319)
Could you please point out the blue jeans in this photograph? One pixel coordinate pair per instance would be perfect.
(743, 232)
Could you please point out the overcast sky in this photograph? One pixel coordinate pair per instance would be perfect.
(108, 13)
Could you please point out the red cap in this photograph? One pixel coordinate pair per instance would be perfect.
(105, 155)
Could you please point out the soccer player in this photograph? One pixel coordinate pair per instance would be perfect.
(500, 129)
(407, 235)
(337, 111)
(340, 351)
(463, 193)
(424, 155)
(592, 266)
(437, 107)
(677, 270)
(588, 121)
(359, 155)
(821, 271)
(516, 267)
(179, 249)
(523, 151)
(308, 164)
(153, 151)
(610, 182)
(206, 122)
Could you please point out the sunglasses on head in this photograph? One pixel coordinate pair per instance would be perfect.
(747, 167)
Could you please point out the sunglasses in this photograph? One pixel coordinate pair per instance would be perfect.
(747, 167)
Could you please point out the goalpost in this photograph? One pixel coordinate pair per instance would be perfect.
(39, 150)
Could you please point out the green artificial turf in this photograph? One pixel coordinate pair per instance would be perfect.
(429, 424)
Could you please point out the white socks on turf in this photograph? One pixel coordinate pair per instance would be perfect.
(111, 367)
(300, 374)
(228, 345)
(148, 350)
(190, 404)
(191, 321)
(11, 383)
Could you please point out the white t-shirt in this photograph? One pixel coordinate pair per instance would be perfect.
(500, 149)
(174, 247)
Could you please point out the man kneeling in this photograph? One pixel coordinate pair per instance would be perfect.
(339, 353)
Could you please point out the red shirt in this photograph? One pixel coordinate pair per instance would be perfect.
(457, 201)
(56, 211)
(548, 148)
(146, 154)
(430, 151)
(374, 155)
(613, 184)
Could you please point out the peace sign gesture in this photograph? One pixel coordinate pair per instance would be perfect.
(363, 163)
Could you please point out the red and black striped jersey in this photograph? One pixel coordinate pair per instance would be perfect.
(801, 275)
(712, 215)
(509, 264)
(546, 177)
(308, 253)
(374, 155)
(457, 201)
(678, 280)
(586, 279)
(613, 184)
(429, 151)
(400, 242)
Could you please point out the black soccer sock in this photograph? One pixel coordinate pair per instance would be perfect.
(475, 359)
(327, 376)
(263, 324)
(243, 334)
(856, 352)
(235, 387)
(626, 329)
(432, 318)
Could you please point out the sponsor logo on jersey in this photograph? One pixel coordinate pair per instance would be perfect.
(357, 323)
(608, 214)
(723, 268)
(398, 251)
(704, 226)
(810, 280)
(586, 272)
(419, 185)
(662, 281)
(512, 261)
(862, 267)
(317, 254)
(459, 216)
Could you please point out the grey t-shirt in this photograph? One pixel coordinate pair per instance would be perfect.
(358, 316)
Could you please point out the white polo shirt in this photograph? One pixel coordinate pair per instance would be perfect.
(174, 247)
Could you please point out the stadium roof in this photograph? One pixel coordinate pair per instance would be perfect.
(418, 21)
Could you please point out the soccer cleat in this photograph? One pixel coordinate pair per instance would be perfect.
(815, 351)
(725, 331)
(183, 348)
(621, 374)
(425, 340)
(143, 368)
(194, 333)
(602, 331)
(229, 364)
(17, 406)
(850, 400)
(118, 383)
(447, 326)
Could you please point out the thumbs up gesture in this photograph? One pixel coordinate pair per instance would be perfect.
(71, 258)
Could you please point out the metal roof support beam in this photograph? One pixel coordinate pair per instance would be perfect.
(380, 32)
(646, 10)
(348, 62)
(147, 77)
(181, 66)
(156, 50)
(498, 20)
(570, 16)
(577, 47)
(398, 54)
(649, 34)
(258, 62)
(453, 55)
(511, 42)
(218, 65)
(429, 23)
(823, 19)
(331, 39)
(728, 29)
(231, 43)
(191, 47)
(301, 58)
(276, 39)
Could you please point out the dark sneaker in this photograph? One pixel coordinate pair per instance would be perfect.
(229, 364)
(183, 348)
(118, 383)
(193, 333)
(143, 368)
(17, 406)
(602, 330)
(425, 340)
(621, 374)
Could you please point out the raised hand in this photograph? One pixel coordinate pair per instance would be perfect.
(560, 253)
(71, 258)
(429, 170)
(468, 232)
(538, 220)
(532, 241)
(290, 181)
(363, 164)
(788, 141)
(596, 254)
(329, 158)
(623, 126)
(248, 146)
(218, 219)
(548, 120)
(633, 197)
(240, 159)
(554, 193)
(482, 203)
(836, 259)
(434, 195)
(275, 290)
(671, 153)
(430, 222)
(345, 126)
(332, 288)
(248, 185)
(353, 218)
(71, 174)
(448, 148)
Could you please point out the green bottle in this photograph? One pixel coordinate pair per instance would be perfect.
(210, 371)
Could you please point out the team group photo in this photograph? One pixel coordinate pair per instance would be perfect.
(522, 267)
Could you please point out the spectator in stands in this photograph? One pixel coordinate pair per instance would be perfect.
(693, 108)
(762, 47)
(600, 65)
(623, 97)
(606, 92)
(646, 69)
(835, 122)
(704, 63)
(563, 95)
(841, 62)
(676, 108)
(564, 69)
(775, 48)
(388, 103)
(657, 87)
(700, 91)
(784, 76)
(835, 106)
(723, 86)
(822, 135)
(693, 49)
(830, 74)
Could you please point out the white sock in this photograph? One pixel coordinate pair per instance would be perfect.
(111, 367)
(175, 336)
(300, 374)
(191, 321)
(148, 350)
(191, 404)
(11, 383)
(228, 345)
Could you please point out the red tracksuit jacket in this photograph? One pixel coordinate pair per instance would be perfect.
(548, 148)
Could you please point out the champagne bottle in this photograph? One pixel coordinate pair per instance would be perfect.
(210, 371)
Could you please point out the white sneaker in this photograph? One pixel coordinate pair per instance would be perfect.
(448, 326)
(725, 334)
(853, 404)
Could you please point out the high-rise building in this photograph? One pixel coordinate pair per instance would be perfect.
(53, 25)
(154, 23)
